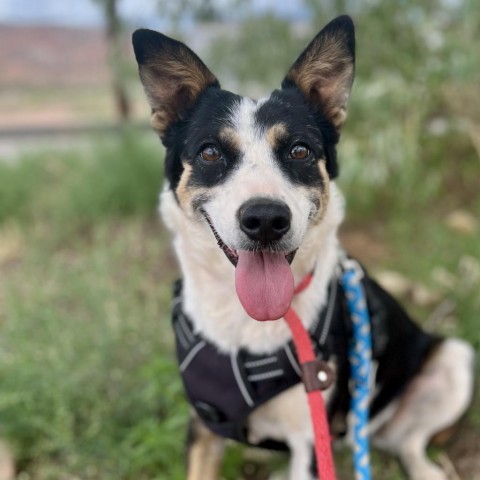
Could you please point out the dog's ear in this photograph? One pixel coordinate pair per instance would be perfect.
(325, 69)
(172, 75)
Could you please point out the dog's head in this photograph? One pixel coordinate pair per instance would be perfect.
(257, 172)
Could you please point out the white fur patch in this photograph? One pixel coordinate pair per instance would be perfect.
(258, 175)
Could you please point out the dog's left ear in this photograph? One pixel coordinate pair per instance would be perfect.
(325, 69)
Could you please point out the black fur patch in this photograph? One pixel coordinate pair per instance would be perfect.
(185, 139)
(290, 107)
(212, 113)
(400, 345)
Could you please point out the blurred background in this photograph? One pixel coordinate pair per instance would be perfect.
(88, 383)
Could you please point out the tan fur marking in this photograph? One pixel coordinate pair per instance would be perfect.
(172, 84)
(275, 133)
(205, 454)
(442, 437)
(182, 192)
(171, 77)
(159, 121)
(230, 136)
(325, 75)
(186, 194)
(325, 192)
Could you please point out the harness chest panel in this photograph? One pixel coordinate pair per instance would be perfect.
(225, 389)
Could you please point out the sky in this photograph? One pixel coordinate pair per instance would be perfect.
(87, 13)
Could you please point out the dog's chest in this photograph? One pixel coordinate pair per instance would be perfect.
(227, 389)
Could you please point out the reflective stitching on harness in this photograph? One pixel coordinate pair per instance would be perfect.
(239, 380)
(329, 314)
(293, 361)
(265, 376)
(261, 362)
(184, 327)
(181, 337)
(191, 355)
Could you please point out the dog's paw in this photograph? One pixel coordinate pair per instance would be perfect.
(285, 476)
(429, 472)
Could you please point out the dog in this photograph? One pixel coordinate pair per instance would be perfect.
(251, 200)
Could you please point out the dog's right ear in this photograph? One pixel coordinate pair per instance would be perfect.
(172, 75)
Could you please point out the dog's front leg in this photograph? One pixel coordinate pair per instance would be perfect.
(204, 452)
(302, 464)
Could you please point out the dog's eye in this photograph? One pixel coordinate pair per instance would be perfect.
(210, 153)
(299, 152)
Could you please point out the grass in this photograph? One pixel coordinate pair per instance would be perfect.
(89, 383)
(74, 190)
(86, 358)
(86, 362)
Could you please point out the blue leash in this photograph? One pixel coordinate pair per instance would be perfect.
(360, 356)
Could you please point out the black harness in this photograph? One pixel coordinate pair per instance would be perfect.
(225, 389)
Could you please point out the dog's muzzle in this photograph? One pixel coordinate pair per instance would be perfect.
(264, 221)
(263, 277)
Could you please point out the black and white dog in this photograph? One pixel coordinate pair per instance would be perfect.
(251, 183)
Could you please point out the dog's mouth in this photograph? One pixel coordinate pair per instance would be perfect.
(232, 255)
(263, 278)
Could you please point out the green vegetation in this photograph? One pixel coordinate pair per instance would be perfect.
(88, 381)
(89, 386)
(77, 189)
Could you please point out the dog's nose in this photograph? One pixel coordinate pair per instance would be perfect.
(264, 220)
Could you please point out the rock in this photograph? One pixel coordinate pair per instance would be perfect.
(462, 221)
(394, 282)
(444, 278)
(400, 286)
(469, 272)
(425, 297)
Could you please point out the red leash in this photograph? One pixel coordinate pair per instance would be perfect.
(316, 376)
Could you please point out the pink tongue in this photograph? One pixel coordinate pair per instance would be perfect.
(264, 283)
